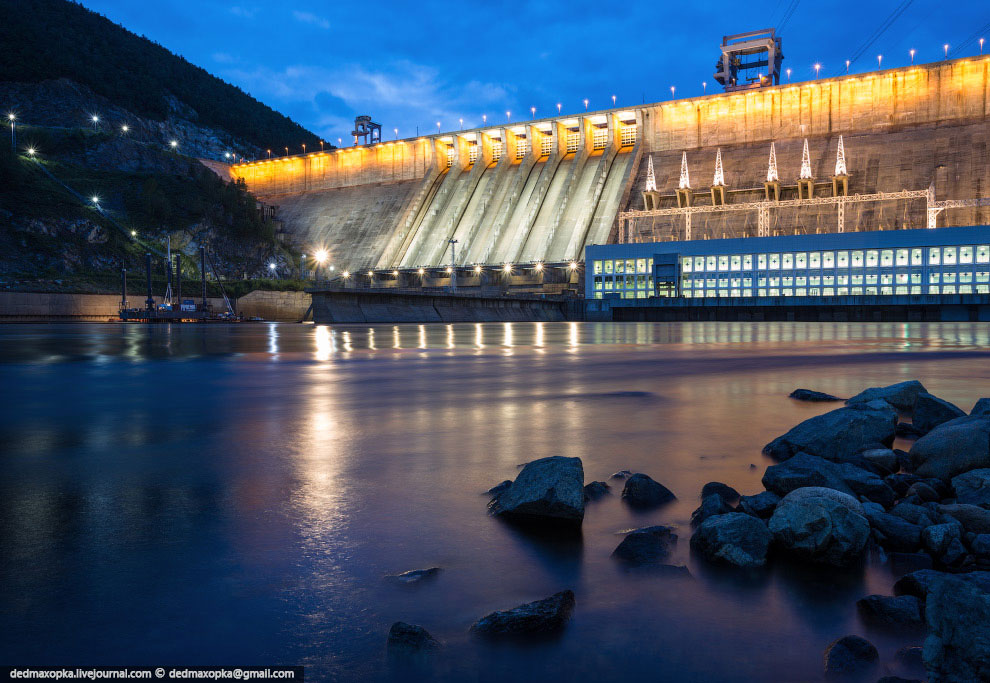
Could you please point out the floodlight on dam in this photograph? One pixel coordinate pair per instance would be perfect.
(538, 266)
(320, 256)
(30, 151)
(346, 274)
(477, 269)
(507, 268)
(421, 272)
(573, 265)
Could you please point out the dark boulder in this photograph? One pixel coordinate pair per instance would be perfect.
(901, 482)
(735, 538)
(923, 492)
(802, 470)
(973, 518)
(906, 430)
(902, 395)
(711, 505)
(541, 616)
(931, 411)
(958, 645)
(973, 487)
(729, 494)
(884, 458)
(642, 492)
(621, 474)
(866, 484)
(813, 396)
(406, 638)
(893, 533)
(839, 435)
(902, 611)
(919, 583)
(981, 409)
(499, 489)
(595, 490)
(414, 576)
(850, 656)
(937, 537)
(953, 448)
(548, 490)
(649, 545)
(761, 505)
(980, 545)
(821, 525)
(915, 514)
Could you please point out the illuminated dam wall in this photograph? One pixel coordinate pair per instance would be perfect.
(542, 190)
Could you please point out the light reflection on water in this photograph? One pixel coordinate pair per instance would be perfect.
(243, 503)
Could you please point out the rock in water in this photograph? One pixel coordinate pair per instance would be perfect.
(884, 458)
(850, 656)
(729, 494)
(973, 518)
(499, 489)
(711, 505)
(595, 490)
(735, 538)
(973, 487)
(414, 576)
(642, 492)
(981, 409)
(546, 490)
(541, 616)
(953, 448)
(839, 435)
(893, 533)
(804, 470)
(931, 411)
(761, 505)
(621, 474)
(648, 545)
(903, 611)
(958, 645)
(902, 395)
(919, 583)
(821, 525)
(403, 637)
(814, 396)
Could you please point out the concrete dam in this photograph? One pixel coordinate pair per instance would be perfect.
(916, 153)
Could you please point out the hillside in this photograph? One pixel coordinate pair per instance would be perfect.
(48, 40)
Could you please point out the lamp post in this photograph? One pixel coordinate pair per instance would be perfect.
(946, 48)
(613, 100)
(271, 269)
(13, 133)
(558, 108)
(847, 67)
(438, 126)
(788, 71)
(532, 111)
(508, 116)
(672, 91)
(321, 257)
(96, 122)
(818, 70)
(304, 147)
(879, 61)
(704, 87)
(911, 52)
(396, 133)
(586, 104)
(981, 45)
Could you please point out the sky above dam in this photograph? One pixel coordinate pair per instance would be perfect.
(412, 65)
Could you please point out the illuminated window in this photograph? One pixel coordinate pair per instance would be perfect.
(842, 259)
(747, 262)
(887, 258)
(800, 260)
(949, 258)
(983, 253)
(620, 266)
(546, 145)
(451, 154)
(774, 261)
(815, 259)
(496, 150)
(628, 135)
(965, 277)
(641, 265)
(917, 257)
(788, 261)
(598, 282)
(761, 262)
(599, 137)
(472, 153)
(934, 259)
(948, 289)
(608, 267)
(872, 258)
(686, 265)
(901, 290)
(723, 262)
(710, 264)
(933, 289)
(982, 276)
(965, 289)
(965, 254)
(949, 278)
(596, 267)
(573, 140)
(522, 146)
(902, 257)
(828, 259)
(857, 259)
(735, 262)
(630, 265)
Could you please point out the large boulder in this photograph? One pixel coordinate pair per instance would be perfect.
(414, 576)
(729, 494)
(919, 583)
(890, 612)
(838, 435)
(893, 533)
(974, 519)
(957, 648)
(648, 545)
(938, 537)
(409, 638)
(973, 487)
(804, 470)
(595, 491)
(931, 411)
(541, 616)
(981, 409)
(761, 505)
(953, 448)
(821, 525)
(546, 490)
(902, 395)
(884, 458)
(711, 505)
(734, 538)
(850, 656)
(812, 396)
(642, 492)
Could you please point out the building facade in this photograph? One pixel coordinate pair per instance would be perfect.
(880, 263)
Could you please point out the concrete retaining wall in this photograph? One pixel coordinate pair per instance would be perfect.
(59, 307)
(278, 306)
(355, 306)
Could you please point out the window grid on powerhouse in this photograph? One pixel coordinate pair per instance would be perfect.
(961, 269)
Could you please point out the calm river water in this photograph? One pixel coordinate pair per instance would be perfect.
(235, 494)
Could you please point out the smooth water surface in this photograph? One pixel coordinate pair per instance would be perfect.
(236, 494)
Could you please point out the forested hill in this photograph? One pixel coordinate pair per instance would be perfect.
(46, 40)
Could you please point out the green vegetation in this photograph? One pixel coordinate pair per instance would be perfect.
(50, 39)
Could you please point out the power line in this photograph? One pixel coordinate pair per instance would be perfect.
(975, 35)
(788, 14)
(880, 30)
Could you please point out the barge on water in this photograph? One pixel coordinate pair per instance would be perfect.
(173, 308)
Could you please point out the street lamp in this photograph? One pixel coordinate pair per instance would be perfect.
(271, 267)
(269, 154)
(818, 69)
(96, 121)
(286, 150)
(911, 52)
(174, 144)
(124, 129)
(532, 111)
(133, 233)
(586, 104)
(946, 48)
(879, 61)
(30, 151)
(304, 147)
(573, 265)
(704, 87)
(13, 135)
(981, 45)
(558, 108)
(847, 67)
(321, 257)
(438, 126)
(788, 71)
(396, 133)
(321, 145)
(508, 116)
(613, 100)
(96, 200)
(461, 121)
(484, 118)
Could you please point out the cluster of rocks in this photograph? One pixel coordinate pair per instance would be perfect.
(551, 493)
(840, 492)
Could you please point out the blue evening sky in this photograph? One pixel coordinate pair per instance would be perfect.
(412, 64)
